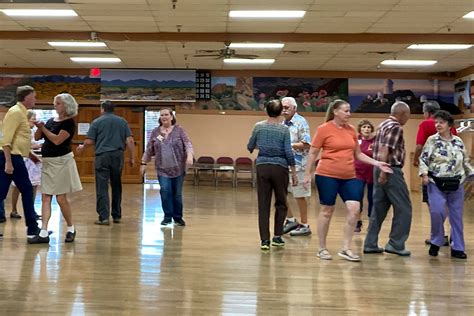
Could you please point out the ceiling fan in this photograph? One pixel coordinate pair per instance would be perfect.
(224, 53)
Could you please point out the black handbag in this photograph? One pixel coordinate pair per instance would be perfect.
(447, 184)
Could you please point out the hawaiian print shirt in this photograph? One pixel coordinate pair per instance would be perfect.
(299, 132)
(445, 158)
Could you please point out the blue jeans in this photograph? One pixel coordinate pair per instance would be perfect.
(172, 196)
(22, 182)
(2, 209)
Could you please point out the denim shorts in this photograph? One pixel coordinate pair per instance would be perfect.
(348, 189)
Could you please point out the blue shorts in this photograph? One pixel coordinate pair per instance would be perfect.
(348, 189)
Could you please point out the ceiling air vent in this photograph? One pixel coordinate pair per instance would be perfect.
(41, 50)
(39, 28)
(86, 52)
(33, 1)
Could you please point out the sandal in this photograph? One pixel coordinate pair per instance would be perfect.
(348, 255)
(324, 254)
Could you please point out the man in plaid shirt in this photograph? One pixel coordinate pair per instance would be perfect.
(391, 189)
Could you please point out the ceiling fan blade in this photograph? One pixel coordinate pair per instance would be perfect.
(213, 55)
(244, 56)
(208, 51)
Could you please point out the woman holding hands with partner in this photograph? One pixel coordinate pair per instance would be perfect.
(59, 175)
(335, 174)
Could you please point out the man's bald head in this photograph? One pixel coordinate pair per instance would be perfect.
(401, 111)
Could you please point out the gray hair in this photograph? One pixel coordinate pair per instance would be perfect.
(431, 107)
(290, 100)
(69, 103)
(399, 107)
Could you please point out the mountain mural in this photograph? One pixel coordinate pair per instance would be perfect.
(149, 83)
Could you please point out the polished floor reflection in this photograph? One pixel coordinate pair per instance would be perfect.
(214, 265)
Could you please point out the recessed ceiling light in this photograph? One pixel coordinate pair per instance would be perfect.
(470, 15)
(267, 14)
(256, 45)
(39, 12)
(400, 62)
(439, 46)
(77, 44)
(248, 61)
(95, 59)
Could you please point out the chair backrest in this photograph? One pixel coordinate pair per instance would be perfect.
(243, 163)
(205, 159)
(225, 161)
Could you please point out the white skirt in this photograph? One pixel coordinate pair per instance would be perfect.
(60, 175)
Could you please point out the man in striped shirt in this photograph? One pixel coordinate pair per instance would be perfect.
(391, 190)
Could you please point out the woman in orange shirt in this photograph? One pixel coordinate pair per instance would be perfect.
(335, 174)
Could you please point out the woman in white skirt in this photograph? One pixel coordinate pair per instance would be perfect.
(59, 175)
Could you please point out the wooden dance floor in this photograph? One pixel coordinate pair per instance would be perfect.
(214, 265)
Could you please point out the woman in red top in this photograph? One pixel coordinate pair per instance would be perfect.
(365, 172)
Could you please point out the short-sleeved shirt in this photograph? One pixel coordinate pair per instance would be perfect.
(390, 134)
(426, 129)
(109, 133)
(338, 145)
(365, 171)
(16, 131)
(49, 149)
(299, 132)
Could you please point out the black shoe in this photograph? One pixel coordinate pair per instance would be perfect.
(277, 242)
(3, 219)
(373, 250)
(265, 245)
(117, 220)
(433, 250)
(358, 227)
(179, 222)
(104, 222)
(14, 214)
(70, 236)
(37, 239)
(165, 222)
(446, 241)
(427, 241)
(458, 254)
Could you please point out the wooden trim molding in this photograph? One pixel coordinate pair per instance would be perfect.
(260, 73)
(395, 38)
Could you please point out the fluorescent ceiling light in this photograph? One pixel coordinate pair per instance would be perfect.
(95, 59)
(256, 45)
(39, 12)
(439, 46)
(400, 62)
(266, 14)
(248, 61)
(77, 44)
(470, 15)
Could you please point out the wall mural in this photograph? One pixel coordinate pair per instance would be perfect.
(378, 95)
(462, 95)
(85, 90)
(148, 85)
(247, 93)
(311, 94)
